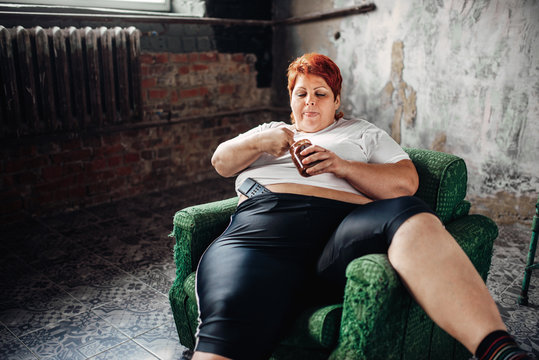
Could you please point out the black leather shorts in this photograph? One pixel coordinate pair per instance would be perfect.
(253, 278)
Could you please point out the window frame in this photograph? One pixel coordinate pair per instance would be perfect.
(140, 5)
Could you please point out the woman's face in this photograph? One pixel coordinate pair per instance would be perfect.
(313, 103)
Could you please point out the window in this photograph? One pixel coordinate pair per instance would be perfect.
(151, 5)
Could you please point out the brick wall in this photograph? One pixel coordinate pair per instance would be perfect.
(179, 85)
(63, 174)
(189, 102)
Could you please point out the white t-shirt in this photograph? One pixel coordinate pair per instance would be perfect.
(350, 139)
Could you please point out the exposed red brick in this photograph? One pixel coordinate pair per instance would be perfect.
(210, 56)
(203, 91)
(157, 93)
(133, 157)
(98, 164)
(178, 58)
(146, 59)
(109, 150)
(161, 58)
(238, 57)
(125, 170)
(149, 83)
(187, 93)
(182, 70)
(199, 67)
(193, 57)
(227, 89)
(174, 96)
(114, 161)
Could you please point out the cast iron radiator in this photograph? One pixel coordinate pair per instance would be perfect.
(55, 80)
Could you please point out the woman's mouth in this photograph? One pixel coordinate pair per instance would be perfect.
(310, 113)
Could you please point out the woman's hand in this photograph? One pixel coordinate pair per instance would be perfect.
(234, 155)
(377, 181)
(328, 161)
(275, 141)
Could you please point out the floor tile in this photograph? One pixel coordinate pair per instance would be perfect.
(12, 348)
(75, 338)
(69, 223)
(35, 304)
(156, 276)
(93, 281)
(502, 275)
(162, 341)
(48, 249)
(137, 313)
(126, 350)
(38, 309)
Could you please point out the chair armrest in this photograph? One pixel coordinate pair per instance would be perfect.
(195, 228)
(442, 181)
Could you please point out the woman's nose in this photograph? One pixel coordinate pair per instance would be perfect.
(309, 101)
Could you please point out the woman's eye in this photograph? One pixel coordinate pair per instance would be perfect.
(300, 95)
(320, 95)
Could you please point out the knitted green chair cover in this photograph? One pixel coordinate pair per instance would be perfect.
(377, 318)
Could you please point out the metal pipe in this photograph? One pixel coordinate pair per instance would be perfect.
(62, 135)
(326, 15)
(175, 19)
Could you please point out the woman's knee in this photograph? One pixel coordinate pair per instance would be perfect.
(414, 232)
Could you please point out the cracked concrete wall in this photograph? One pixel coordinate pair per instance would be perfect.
(455, 76)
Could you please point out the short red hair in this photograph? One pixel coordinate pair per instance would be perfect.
(319, 65)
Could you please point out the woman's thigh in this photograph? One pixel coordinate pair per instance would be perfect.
(368, 229)
(250, 279)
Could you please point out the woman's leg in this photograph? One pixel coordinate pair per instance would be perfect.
(443, 281)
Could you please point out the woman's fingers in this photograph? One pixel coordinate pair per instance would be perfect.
(322, 160)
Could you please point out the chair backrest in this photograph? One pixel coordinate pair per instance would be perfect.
(443, 180)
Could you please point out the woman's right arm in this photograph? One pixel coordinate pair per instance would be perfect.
(234, 155)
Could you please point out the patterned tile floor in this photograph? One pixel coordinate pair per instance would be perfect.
(93, 284)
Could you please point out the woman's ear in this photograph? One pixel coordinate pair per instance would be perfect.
(337, 102)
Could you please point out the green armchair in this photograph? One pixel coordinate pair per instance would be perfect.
(377, 318)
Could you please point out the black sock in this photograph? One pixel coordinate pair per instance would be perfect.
(499, 345)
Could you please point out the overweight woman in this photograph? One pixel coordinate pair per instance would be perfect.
(353, 197)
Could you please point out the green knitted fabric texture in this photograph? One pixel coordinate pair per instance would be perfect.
(377, 318)
(194, 229)
(316, 328)
(442, 180)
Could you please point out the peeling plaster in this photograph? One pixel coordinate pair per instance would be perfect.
(475, 94)
(398, 94)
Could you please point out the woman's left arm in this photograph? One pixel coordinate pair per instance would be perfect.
(377, 181)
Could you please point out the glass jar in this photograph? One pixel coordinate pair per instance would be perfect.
(295, 151)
